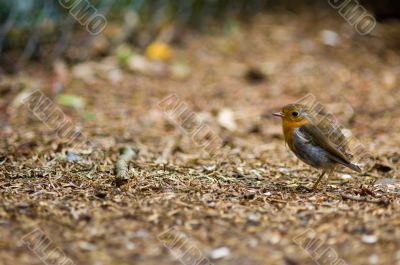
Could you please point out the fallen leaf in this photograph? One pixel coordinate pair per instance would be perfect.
(70, 100)
(159, 51)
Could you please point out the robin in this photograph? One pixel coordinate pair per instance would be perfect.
(318, 143)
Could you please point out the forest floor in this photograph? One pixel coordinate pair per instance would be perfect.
(248, 203)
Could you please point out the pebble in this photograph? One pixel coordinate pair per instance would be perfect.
(369, 239)
(329, 37)
(346, 176)
(219, 253)
(226, 119)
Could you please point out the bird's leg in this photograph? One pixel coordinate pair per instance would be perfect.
(319, 179)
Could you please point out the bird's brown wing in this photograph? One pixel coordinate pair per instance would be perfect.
(315, 134)
(331, 130)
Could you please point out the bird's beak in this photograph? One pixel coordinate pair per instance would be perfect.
(279, 114)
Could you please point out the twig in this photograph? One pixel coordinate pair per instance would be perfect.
(121, 167)
(382, 201)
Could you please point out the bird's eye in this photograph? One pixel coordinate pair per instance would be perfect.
(295, 114)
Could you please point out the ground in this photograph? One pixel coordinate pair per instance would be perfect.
(250, 203)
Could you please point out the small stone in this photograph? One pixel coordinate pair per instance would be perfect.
(130, 245)
(256, 173)
(369, 239)
(84, 245)
(209, 168)
(226, 119)
(344, 207)
(346, 177)
(254, 218)
(329, 37)
(143, 233)
(138, 63)
(84, 71)
(219, 253)
(180, 71)
(72, 157)
(274, 238)
(284, 170)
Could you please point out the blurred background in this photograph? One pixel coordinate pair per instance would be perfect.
(106, 65)
(48, 30)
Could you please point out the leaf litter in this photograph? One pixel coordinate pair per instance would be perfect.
(245, 206)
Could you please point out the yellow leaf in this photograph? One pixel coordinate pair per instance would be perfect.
(159, 51)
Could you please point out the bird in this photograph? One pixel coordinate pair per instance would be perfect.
(317, 141)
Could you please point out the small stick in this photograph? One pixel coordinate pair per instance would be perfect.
(384, 202)
(121, 167)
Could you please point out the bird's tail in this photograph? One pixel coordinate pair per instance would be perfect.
(353, 167)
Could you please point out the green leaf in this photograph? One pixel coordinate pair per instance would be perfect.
(70, 100)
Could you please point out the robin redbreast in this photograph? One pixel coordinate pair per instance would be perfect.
(316, 141)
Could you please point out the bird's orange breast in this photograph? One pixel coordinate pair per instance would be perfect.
(288, 127)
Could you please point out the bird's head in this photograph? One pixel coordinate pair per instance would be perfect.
(293, 115)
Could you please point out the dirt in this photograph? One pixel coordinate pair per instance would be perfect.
(248, 204)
